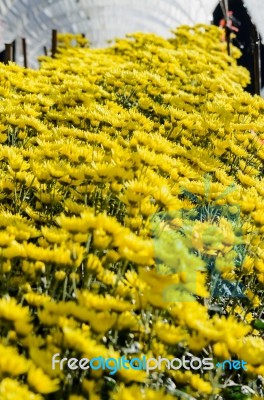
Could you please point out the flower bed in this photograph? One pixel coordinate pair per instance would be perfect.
(114, 164)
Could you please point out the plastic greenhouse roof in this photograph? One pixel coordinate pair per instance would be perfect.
(102, 20)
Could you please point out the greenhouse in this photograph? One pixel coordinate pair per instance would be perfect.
(132, 200)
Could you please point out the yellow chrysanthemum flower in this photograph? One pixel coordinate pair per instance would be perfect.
(38, 380)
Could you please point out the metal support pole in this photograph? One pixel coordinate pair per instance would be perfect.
(54, 43)
(45, 50)
(14, 51)
(24, 49)
(257, 60)
(228, 40)
(225, 9)
(8, 52)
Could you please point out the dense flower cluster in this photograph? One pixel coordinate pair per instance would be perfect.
(93, 145)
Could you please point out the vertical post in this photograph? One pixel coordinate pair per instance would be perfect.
(257, 61)
(8, 52)
(45, 50)
(14, 50)
(228, 26)
(54, 42)
(226, 5)
(83, 36)
(228, 39)
(24, 49)
(225, 9)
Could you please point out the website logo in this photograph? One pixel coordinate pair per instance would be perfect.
(139, 364)
(144, 364)
(234, 364)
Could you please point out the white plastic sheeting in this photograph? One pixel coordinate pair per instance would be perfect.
(102, 20)
(256, 11)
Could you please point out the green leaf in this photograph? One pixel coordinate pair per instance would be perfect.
(258, 324)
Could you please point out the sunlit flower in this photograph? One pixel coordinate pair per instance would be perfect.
(41, 382)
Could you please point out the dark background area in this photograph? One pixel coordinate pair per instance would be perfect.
(244, 38)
